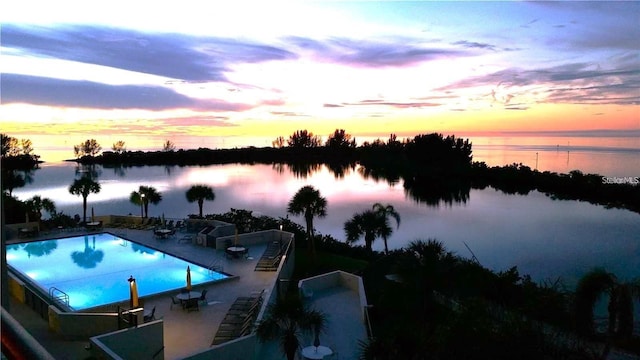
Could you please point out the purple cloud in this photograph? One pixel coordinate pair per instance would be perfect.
(85, 94)
(368, 53)
(184, 57)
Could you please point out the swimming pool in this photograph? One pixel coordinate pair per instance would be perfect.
(93, 269)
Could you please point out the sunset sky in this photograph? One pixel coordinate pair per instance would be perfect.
(140, 70)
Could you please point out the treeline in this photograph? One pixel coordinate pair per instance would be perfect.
(594, 188)
(17, 153)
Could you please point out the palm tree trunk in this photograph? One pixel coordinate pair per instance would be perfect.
(200, 203)
(312, 242)
(386, 249)
(84, 209)
(368, 240)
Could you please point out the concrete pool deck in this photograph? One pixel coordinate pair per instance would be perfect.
(185, 333)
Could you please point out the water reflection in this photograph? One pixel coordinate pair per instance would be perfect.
(303, 169)
(391, 175)
(40, 248)
(91, 171)
(141, 249)
(341, 169)
(89, 257)
(434, 191)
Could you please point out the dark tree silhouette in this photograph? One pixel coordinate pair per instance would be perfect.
(340, 140)
(310, 203)
(368, 224)
(286, 320)
(386, 211)
(303, 139)
(83, 187)
(200, 193)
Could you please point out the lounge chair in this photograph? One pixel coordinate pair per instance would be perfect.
(179, 224)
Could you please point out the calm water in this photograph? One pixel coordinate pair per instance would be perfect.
(543, 237)
(93, 269)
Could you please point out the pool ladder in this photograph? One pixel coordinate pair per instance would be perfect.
(59, 296)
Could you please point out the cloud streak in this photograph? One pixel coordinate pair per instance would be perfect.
(85, 94)
(375, 54)
(176, 56)
(578, 83)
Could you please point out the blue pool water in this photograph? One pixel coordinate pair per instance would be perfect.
(93, 269)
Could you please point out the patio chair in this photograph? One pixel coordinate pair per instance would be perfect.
(150, 315)
(203, 297)
(175, 301)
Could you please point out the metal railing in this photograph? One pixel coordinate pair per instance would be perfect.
(57, 295)
(17, 343)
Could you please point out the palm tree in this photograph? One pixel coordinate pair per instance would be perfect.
(368, 224)
(287, 319)
(591, 287)
(83, 187)
(386, 211)
(200, 193)
(36, 204)
(144, 196)
(309, 202)
(136, 198)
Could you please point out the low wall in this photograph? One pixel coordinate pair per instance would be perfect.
(16, 288)
(240, 348)
(254, 238)
(333, 279)
(119, 219)
(142, 342)
(79, 326)
(12, 231)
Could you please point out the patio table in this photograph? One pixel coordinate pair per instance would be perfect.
(237, 251)
(188, 295)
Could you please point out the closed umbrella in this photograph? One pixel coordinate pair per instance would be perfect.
(133, 289)
(92, 215)
(188, 278)
(235, 242)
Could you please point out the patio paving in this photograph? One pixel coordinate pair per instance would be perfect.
(185, 333)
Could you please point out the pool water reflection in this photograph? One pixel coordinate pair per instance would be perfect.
(93, 269)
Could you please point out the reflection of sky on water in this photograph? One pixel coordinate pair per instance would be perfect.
(91, 280)
(545, 238)
(608, 156)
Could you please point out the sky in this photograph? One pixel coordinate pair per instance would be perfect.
(140, 71)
